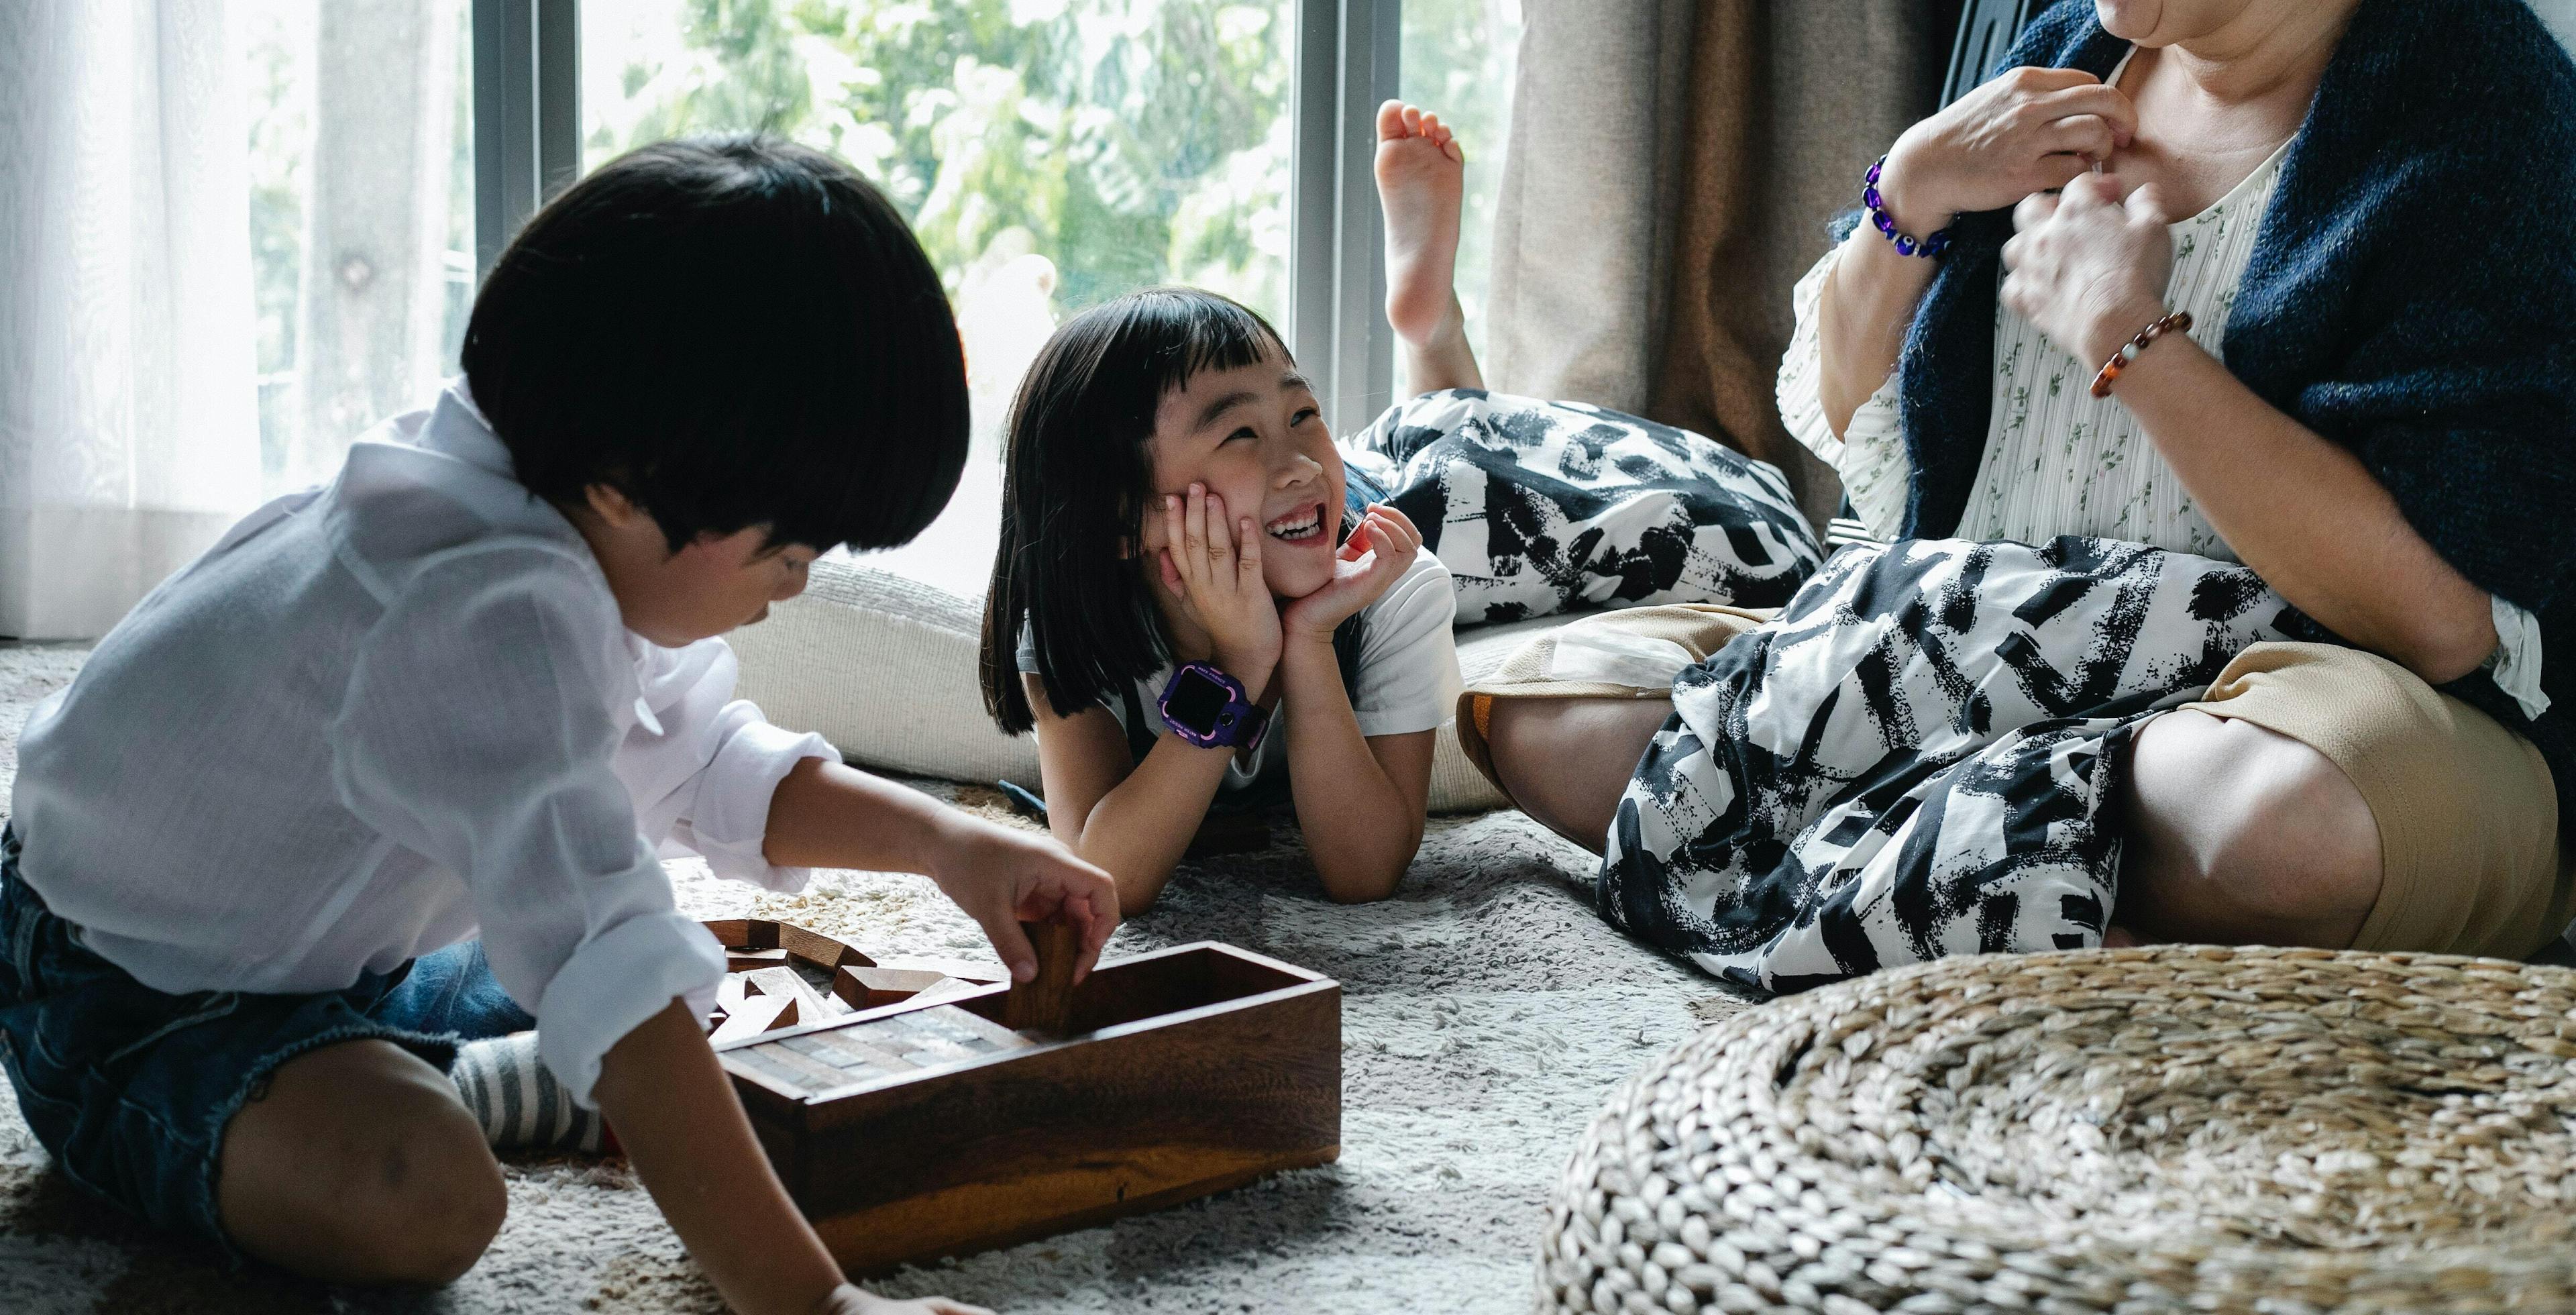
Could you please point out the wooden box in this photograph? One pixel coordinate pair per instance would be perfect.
(1186, 1071)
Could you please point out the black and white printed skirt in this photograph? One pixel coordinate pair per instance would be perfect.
(1913, 759)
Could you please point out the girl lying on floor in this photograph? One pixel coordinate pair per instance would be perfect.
(1200, 602)
(472, 687)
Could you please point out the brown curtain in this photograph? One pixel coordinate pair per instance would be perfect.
(1672, 168)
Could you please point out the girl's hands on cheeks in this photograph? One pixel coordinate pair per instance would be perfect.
(2029, 130)
(2089, 266)
(1211, 563)
(1379, 551)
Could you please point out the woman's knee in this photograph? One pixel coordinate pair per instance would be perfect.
(1565, 762)
(360, 1165)
(2240, 834)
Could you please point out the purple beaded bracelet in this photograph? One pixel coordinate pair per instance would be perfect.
(1906, 244)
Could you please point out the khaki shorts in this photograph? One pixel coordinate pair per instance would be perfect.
(2467, 810)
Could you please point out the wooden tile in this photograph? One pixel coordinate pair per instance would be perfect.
(758, 1014)
(1044, 1003)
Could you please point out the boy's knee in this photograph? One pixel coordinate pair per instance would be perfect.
(2245, 835)
(361, 1166)
(424, 1206)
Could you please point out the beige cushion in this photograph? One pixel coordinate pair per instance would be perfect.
(883, 665)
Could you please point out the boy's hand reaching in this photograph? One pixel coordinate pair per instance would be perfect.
(1002, 877)
(1378, 552)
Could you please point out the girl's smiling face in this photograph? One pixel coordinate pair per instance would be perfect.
(1254, 435)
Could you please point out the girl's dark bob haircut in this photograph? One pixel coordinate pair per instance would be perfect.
(735, 332)
(1075, 485)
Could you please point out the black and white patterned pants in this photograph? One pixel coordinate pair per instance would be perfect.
(1913, 758)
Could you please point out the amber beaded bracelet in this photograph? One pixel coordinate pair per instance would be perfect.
(2178, 322)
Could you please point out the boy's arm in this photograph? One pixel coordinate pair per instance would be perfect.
(826, 815)
(1136, 822)
(675, 1112)
(1360, 800)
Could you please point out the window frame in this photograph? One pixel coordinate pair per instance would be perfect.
(527, 147)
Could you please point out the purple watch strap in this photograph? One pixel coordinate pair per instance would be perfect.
(1238, 724)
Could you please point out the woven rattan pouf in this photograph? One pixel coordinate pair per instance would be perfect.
(2175, 1129)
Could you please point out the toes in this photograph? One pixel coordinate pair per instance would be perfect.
(1412, 121)
(1390, 120)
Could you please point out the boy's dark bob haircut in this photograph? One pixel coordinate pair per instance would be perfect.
(734, 332)
(1075, 483)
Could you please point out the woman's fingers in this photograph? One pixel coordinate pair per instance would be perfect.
(2109, 104)
(2087, 135)
(2147, 205)
(1175, 529)
(2033, 211)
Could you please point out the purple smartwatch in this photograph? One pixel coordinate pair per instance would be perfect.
(1208, 708)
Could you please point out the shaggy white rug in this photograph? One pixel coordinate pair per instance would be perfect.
(1486, 1012)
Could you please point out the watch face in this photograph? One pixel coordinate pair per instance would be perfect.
(1196, 701)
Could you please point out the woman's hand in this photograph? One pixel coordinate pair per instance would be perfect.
(1003, 877)
(2029, 130)
(1376, 554)
(1212, 565)
(2089, 266)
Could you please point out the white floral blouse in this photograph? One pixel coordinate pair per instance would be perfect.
(2059, 460)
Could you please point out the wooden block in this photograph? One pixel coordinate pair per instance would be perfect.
(1044, 1003)
(758, 1014)
(752, 961)
(791, 984)
(1187, 1071)
(730, 990)
(744, 933)
(877, 985)
(964, 970)
(824, 952)
(947, 988)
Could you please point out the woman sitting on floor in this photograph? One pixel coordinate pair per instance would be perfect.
(2355, 202)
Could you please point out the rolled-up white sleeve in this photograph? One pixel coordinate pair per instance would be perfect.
(1869, 455)
(477, 731)
(703, 765)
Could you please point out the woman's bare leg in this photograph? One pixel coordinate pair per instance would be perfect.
(1567, 761)
(1421, 174)
(359, 1164)
(2238, 835)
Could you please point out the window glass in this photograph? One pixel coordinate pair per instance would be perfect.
(1458, 61)
(361, 216)
(1052, 154)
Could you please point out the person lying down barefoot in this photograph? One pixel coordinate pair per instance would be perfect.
(1195, 604)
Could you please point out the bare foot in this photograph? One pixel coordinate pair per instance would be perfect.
(1420, 175)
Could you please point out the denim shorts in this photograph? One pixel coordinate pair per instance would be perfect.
(131, 1088)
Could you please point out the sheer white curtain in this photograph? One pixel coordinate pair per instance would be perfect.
(129, 435)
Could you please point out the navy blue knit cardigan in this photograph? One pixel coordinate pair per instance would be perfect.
(2411, 296)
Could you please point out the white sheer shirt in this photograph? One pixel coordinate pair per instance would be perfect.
(380, 717)
(2059, 460)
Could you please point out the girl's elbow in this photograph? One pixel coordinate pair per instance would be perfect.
(1363, 882)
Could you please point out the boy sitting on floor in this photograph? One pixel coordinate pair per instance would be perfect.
(475, 683)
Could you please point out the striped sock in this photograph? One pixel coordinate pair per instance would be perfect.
(518, 1101)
